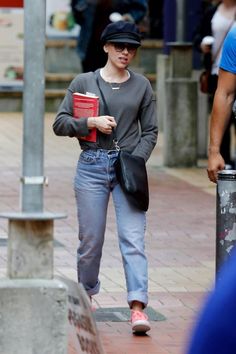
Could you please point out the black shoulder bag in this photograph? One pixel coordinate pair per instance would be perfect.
(131, 171)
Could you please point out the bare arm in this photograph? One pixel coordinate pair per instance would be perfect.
(220, 116)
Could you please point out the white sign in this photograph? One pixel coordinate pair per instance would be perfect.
(83, 336)
(11, 48)
(59, 19)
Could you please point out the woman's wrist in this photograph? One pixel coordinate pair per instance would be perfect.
(91, 122)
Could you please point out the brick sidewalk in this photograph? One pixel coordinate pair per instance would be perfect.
(180, 240)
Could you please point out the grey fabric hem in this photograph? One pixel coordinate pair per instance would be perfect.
(94, 290)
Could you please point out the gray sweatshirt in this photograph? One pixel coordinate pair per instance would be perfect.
(133, 106)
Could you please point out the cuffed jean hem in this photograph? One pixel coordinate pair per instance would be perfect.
(137, 296)
(94, 290)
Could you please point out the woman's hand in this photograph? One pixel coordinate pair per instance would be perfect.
(104, 124)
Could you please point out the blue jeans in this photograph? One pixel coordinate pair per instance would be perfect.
(94, 181)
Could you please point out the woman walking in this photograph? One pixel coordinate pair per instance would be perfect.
(132, 113)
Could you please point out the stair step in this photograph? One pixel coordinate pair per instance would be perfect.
(152, 44)
(12, 101)
(19, 94)
(72, 43)
(151, 77)
(61, 55)
(60, 43)
(62, 77)
(58, 80)
(62, 80)
(54, 77)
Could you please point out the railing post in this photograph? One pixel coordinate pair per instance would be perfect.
(225, 216)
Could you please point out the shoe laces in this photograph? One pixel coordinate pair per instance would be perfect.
(137, 315)
(93, 308)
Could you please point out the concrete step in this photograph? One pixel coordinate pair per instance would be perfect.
(62, 62)
(62, 80)
(148, 54)
(58, 80)
(61, 56)
(56, 84)
(12, 101)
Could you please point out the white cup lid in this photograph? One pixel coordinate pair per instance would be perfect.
(208, 40)
(115, 17)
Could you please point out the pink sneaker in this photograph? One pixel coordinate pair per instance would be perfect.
(93, 308)
(139, 322)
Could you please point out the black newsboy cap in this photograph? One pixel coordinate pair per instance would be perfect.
(121, 32)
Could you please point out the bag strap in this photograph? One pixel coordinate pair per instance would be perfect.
(107, 111)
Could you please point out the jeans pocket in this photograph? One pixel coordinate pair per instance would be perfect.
(87, 158)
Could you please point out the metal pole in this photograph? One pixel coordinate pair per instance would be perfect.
(181, 21)
(33, 105)
(30, 292)
(226, 216)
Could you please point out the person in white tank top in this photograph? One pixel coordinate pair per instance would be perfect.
(213, 31)
(221, 22)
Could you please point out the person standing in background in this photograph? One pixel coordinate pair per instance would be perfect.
(216, 22)
(223, 103)
(93, 16)
(156, 18)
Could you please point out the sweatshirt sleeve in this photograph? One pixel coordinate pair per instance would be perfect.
(65, 124)
(148, 125)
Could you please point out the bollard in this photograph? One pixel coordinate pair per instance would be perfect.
(33, 304)
(162, 73)
(180, 123)
(202, 125)
(181, 58)
(225, 216)
(180, 126)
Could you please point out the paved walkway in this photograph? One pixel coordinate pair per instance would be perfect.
(180, 240)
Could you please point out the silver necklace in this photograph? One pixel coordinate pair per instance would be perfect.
(114, 85)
